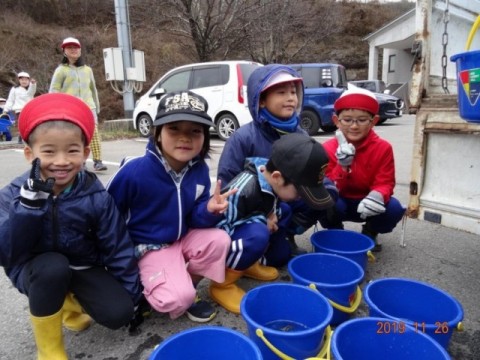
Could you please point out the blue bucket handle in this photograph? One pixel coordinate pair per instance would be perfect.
(346, 309)
(324, 351)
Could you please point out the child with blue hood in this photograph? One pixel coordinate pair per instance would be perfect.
(275, 100)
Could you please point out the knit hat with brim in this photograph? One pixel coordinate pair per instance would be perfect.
(54, 107)
(359, 99)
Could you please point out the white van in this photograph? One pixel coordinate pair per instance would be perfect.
(222, 83)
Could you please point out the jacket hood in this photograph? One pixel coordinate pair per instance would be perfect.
(257, 81)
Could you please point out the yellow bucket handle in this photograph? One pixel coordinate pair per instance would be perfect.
(475, 26)
(324, 351)
(350, 309)
(371, 257)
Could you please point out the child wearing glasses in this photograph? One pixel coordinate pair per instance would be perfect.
(362, 167)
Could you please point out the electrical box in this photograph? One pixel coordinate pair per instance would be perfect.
(113, 61)
(139, 63)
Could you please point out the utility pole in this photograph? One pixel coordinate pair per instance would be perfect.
(125, 44)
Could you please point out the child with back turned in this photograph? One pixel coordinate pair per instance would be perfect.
(295, 170)
(63, 242)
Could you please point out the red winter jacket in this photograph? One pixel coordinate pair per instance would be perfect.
(372, 169)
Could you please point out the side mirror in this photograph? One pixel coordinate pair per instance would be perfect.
(158, 93)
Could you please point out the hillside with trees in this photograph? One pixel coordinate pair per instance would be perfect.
(177, 32)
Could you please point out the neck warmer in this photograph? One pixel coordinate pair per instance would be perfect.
(284, 126)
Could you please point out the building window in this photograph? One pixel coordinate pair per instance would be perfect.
(391, 63)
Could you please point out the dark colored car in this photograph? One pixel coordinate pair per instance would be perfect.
(324, 83)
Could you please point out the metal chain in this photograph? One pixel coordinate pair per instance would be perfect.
(446, 18)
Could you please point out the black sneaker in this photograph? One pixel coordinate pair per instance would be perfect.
(98, 166)
(201, 311)
(295, 249)
(366, 230)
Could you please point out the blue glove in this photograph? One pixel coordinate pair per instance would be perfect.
(345, 151)
(371, 205)
(35, 191)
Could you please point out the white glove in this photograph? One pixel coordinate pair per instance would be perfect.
(345, 151)
(371, 205)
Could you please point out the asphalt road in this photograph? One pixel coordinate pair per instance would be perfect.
(441, 256)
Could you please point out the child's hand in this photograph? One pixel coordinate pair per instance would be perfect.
(345, 151)
(371, 205)
(35, 190)
(272, 222)
(218, 203)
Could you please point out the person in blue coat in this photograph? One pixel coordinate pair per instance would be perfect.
(275, 100)
(63, 242)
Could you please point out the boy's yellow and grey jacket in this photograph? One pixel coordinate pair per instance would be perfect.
(83, 224)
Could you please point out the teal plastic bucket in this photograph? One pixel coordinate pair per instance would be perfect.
(468, 81)
(336, 277)
(422, 306)
(286, 320)
(379, 339)
(207, 342)
(350, 244)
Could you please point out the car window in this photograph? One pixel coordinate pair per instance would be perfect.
(311, 77)
(176, 82)
(247, 70)
(209, 76)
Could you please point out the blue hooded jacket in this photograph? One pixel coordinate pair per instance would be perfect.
(254, 139)
(82, 224)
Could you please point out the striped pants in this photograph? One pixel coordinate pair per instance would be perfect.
(95, 145)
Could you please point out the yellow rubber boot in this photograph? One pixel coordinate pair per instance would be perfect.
(228, 294)
(261, 272)
(49, 337)
(74, 318)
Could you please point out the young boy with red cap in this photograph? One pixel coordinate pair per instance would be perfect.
(254, 217)
(362, 167)
(64, 243)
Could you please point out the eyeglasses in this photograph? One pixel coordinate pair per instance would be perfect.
(360, 121)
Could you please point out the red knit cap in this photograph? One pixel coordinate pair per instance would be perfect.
(357, 98)
(56, 106)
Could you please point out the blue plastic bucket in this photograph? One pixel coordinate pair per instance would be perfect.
(350, 244)
(286, 320)
(379, 339)
(468, 81)
(420, 305)
(207, 342)
(336, 277)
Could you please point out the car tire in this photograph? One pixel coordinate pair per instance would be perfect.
(226, 125)
(381, 121)
(309, 122)
(144, 125)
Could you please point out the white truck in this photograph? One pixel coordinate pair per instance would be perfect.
(445, 174)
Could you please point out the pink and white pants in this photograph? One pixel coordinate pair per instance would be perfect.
(166, 273)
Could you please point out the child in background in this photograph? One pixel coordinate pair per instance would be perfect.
(20, 95)
(362, 167)
(5, 122)
(76, 78)
(63, 242)
(165, 197)
(295, 170)
(275, 100)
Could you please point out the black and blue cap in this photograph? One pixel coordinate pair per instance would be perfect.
(182, 106)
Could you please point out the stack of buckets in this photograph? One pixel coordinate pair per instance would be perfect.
(468, 79)
(407, 319)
